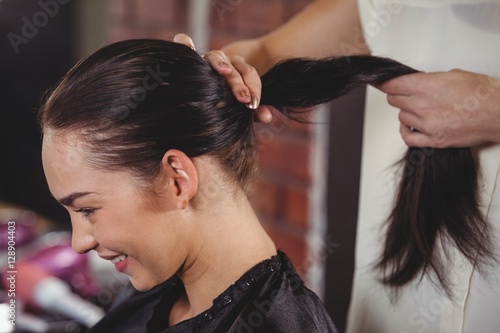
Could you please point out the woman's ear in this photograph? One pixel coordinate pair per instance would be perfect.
(179, 178)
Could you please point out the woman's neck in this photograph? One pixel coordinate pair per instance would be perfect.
(229, 241)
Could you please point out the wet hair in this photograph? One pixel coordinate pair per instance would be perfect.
(133, 100)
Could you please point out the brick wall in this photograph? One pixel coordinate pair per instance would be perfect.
(282, 199)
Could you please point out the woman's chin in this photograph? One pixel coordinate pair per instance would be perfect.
(142, 286)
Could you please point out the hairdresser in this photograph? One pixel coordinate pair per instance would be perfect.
(454, 102)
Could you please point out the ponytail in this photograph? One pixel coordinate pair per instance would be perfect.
(437, 200)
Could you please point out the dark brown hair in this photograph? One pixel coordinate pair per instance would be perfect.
(133, 100)
(436, 208)
(437, 202)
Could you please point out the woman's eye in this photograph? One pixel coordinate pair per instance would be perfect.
(86, 211)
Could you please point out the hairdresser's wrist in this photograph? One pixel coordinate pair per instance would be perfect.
(494, 104)
(496, 130)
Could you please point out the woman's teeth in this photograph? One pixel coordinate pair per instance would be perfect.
(119, 258)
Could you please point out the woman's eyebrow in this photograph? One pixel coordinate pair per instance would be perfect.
(69, 200)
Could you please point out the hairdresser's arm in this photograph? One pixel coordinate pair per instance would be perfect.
(446, 109)
(324, 28)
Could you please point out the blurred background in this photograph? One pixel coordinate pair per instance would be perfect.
(308, 189)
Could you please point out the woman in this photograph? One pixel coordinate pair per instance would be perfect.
(152, 156)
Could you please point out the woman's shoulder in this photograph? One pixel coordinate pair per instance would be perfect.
(280, 302)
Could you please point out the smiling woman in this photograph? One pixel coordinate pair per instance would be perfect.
(153, 157)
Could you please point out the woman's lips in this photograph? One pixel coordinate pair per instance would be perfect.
(121, 266)
(120, 262)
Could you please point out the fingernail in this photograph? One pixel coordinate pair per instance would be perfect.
(188, 42)
(253, 104)
(223, 64)
(244, 94)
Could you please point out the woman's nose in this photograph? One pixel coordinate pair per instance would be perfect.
(82, 239)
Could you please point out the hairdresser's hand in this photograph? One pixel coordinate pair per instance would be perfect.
(242, 78)
(446, 109)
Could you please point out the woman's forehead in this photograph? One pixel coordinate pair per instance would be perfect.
(60, 159)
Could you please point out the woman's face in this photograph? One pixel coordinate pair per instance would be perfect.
(113, 216)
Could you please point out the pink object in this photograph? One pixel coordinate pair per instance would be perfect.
(41, 289)
(23, 230)
(63, 262)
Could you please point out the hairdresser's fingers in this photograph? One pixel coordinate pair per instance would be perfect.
(184, 39)
(411, 104)
(263, 114)
(412, 130)
(410, 120)
(251, 78)
(405, 132)
(219, 61)
(413, 138)
(402, 85)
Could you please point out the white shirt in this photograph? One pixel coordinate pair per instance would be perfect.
(428, 35)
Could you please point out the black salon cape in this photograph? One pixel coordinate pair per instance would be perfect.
(270, 297)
